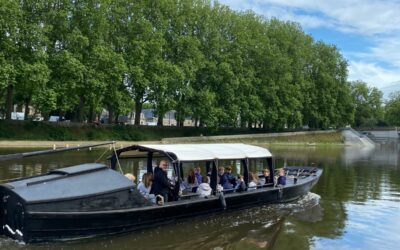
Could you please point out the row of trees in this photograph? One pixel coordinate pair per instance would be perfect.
(194, 56)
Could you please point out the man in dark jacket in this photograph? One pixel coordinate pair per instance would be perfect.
(161, 183)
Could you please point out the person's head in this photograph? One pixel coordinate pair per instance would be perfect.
(164, 165)
(147, 179)
(191, 172)
(198, 170)
(241, 177)
(229, 169)
(221, 170)
(253, 177)
(282, 172)
(204, 179)
(131, 177)
(266, 172)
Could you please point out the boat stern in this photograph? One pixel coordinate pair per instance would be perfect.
(12, 214)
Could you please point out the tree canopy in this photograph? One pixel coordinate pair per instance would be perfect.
(198, 57)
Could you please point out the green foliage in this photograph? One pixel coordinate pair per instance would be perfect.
(392, 110)
(220, 67)
(368, 104)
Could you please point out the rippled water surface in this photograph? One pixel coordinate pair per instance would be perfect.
(355, 205)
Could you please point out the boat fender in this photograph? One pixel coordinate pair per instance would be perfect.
(222, 200)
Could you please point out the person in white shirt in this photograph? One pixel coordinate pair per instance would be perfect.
(253, 182)
(204, 188)
(144, 187)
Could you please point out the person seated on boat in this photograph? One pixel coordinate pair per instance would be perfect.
(191, 181)
(223, 179)
(253, 182)
(204, 189)
(265, 178)
(161, 185)
(144, 187)
(229, 176)
(131, 177)
(240, 184)
(197, 173)
(282, 178)
(219, 186)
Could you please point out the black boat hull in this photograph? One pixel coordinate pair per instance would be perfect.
(52, 226)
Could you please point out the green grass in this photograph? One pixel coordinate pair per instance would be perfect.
(27, 130)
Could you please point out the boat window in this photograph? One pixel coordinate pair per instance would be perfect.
(237, 166)
(187, 166)
(257, 165)
(138, 167)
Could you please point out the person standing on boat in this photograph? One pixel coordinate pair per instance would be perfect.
(161, 185)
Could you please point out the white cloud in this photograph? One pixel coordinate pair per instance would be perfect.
(375, 20)
(372, 74)
(368, 17)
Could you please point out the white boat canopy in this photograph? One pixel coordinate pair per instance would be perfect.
(201, 152)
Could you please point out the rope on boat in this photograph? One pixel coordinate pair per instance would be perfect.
(116, 156)
(101, 156)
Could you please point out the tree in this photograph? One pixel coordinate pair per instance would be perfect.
(368, 104)
(10, 16)
(392, 110)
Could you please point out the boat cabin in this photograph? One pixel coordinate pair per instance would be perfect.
(243, 159)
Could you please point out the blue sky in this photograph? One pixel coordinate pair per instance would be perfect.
(367, 32)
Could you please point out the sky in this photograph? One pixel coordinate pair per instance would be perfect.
(367, 32)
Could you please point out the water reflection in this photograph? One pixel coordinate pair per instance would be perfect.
(354, 205)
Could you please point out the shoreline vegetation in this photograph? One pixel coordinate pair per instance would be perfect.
(39, 134)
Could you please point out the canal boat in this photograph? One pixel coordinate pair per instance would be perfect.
(95, 199)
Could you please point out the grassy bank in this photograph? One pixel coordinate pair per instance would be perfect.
(21, 130)
(39, 134)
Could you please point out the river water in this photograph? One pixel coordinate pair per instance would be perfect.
(355, 205)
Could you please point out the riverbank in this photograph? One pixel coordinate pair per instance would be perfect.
(315, 138)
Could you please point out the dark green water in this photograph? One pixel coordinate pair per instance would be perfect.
(355, 205)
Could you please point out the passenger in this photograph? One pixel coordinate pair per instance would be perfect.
(265, 178)
(219, 186)
(282, 178)
(197, 173)
(204, 188)
(192, 181)
(144, 187)
(240, 184)
(223, 180)
(131, 177)
(229, 176)
(253, 182)
(161, 185)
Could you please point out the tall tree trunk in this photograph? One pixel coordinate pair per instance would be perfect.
(196, 120)
(160, 119)
(138, 111)
(111, 117)
(26, 114)
(116, 120)
(81, 109)
(91, 114)
(9, 101)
